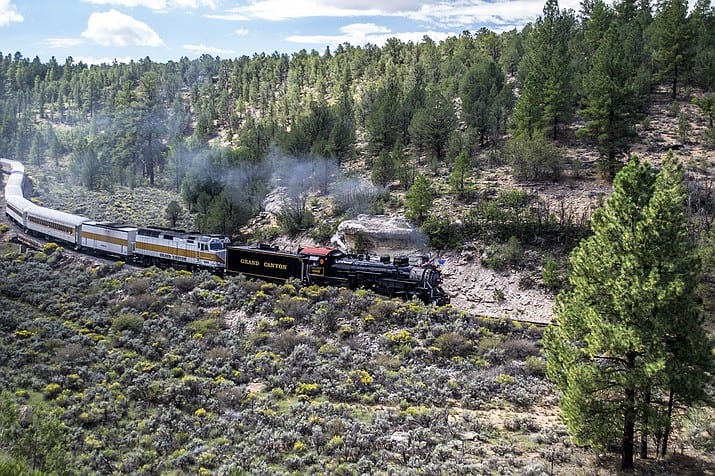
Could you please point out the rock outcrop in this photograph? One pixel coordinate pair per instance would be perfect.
(380, 234)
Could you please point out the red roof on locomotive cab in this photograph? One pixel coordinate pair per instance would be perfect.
(316, 251)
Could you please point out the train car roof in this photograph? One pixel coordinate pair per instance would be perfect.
(11, 166)
(57, 216)
(112, 225)
(170, 234)
(319, 251)
(19, 202)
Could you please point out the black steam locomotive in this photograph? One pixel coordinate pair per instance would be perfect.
(328, 266)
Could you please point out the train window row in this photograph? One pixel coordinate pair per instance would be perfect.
(15, 210)
(50, 224)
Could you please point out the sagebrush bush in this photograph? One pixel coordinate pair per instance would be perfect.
(127, 322)
(184, 283)
(451, 344)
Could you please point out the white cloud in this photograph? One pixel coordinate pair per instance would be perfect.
(157, 4)
(468, 13)
(204, 49)
(62, 42)
(117, 29)
(364, 33)
(278, 10)
(241, 32)
(463, 14)
(227, 16)
(9, 13)
(389, 6)
(92, 60)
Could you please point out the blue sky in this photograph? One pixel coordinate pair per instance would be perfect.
(96, 31)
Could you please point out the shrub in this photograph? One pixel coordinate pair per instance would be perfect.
(535, 366)
(534, 159)
(52, 390)
(136, 286)
(516, 348)
(309, 389)
(442, 232)
(451, 344)
(204, 326)
(513, 252)
(323, 232)
(498, 257)
(127, 322)
(140, 302)
(296, 307)
(400, 337)
(184, 283)
(550, 275)
(505, 379)
(50, 248)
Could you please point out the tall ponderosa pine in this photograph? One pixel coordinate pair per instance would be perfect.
(547, 97)
(432, 125)
(673, 42)
(482, 91)
(702, 23)
(628, 341)
(610, 101)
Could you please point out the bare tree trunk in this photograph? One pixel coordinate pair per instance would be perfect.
(629, 423)
(644, 431)
(666, 435)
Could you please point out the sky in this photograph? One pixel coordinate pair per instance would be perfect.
(103, 31)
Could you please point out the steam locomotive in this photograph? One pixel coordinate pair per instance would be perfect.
(332, 267)
(165, 247)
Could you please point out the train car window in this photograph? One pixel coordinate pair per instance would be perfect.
(216, 245)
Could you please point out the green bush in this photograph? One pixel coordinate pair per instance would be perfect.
(499, 257)
(442, 232)
(535, 366)
(127, 322)
(550, 275)
(534, 159)
(451, 344)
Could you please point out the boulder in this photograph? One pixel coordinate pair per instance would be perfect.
(380, 232)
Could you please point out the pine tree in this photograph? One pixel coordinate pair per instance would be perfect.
(628, 333)
(460, 173)
(480, 90)
(702, 22)
(673, 42)
(610, 102)
(420, 199)
(432, 125)
(548, 94)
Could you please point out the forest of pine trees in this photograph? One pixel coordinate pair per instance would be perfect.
(148, 123)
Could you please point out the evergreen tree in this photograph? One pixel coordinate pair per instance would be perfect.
(384, 169)
(702, 23)
(461, 171)
(420, 198)
(481, 90)
(610, 102)
(384, 119)
(628, 334)
(548, 94)
(673, 42)
(432, 125)
(528, 118)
